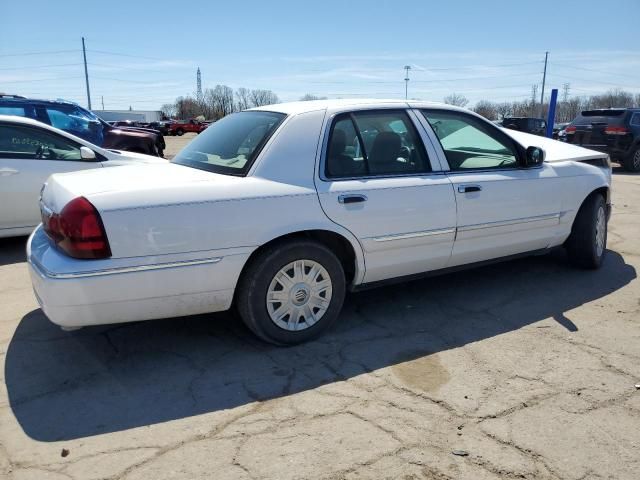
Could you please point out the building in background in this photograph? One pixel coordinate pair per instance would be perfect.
(145, 116)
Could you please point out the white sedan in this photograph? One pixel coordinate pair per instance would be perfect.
(280, 210)
(30, 151)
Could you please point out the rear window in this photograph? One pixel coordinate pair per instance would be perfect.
(230, 145)
(588, 117)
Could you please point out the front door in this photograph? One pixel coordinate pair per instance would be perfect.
(28, 156)
(377, 181)
(503, 208)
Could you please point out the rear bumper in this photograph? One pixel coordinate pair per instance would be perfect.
(76, 293)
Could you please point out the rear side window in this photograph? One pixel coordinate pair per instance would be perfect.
(27, 143)
(230, 145)
(17, 111)
(374, 143)
(635, 120)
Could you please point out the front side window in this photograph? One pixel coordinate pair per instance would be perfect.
(374, 143)
(469, 143)
(230, 145)
(31, 143)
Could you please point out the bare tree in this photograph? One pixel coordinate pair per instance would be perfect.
(613, 98)
(243, 99)
(187, 107)
(263, 97)
(310, 97)
(456, 99)
(219, 101)
(168, 110)
(486, 109)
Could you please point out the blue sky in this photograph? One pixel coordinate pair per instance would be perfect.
(144, 53)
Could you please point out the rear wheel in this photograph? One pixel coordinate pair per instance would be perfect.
(291, 292)
(179, 132)
(587, 243)
(632, 162)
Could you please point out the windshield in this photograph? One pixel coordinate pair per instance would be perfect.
(230, 145)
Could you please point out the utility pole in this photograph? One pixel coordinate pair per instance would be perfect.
(544, 80)
(86, 74)
(534, 99)
(102, 98)
(406, 81)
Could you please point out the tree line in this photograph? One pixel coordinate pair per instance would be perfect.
(566, 110)
(217, 102)
(222, 100)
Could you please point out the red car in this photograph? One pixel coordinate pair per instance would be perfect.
(182, 127)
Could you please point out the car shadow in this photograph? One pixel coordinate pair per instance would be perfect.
(13, 250)
(68, 385)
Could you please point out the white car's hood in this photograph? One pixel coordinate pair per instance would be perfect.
(121, 157)
(555, 151)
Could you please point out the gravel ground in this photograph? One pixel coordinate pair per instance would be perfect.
(175, 144)
(524, 369)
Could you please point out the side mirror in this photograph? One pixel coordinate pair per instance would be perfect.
(535, 157)
(87, 154)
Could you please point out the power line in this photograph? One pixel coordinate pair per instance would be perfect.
(613, 74)
(104, 52)
(600, 82)
(34, 67)
(44, 52)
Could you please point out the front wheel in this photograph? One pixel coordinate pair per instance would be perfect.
(291, 292)
(179, 132)
(632, 162)
(587, 243)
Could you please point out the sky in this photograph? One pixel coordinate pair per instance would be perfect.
(142, 54)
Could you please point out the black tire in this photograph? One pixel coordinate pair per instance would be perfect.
(252, 290)
(632, 162)
(179, 132)
(582, 246)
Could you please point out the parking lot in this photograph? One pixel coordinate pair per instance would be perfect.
(524, 369)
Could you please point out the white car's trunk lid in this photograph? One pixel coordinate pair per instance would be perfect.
(61, 188)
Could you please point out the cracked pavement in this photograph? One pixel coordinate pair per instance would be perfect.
(528, 366)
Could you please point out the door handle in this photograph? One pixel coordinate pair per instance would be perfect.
(352, 198)
(5, 172)
(469, 188)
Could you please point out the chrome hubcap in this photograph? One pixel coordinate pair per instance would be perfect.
(299, 295)
(601, 230)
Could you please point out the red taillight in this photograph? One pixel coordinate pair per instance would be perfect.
(78, 230)
(616, 131)
(570, 130)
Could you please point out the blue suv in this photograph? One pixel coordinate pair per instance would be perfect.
(82, 123)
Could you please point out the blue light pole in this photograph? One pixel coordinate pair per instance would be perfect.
(551, 116)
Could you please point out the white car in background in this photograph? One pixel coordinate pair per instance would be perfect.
(279, 210)
(31, 151)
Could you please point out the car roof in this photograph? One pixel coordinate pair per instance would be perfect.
(21, 100)
(294, 108)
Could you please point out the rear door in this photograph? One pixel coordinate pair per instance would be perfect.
(28, 156)
(502, 208)
(381, 182)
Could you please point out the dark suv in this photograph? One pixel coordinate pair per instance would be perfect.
(536, 126)
(82, 123)
(615, 131)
